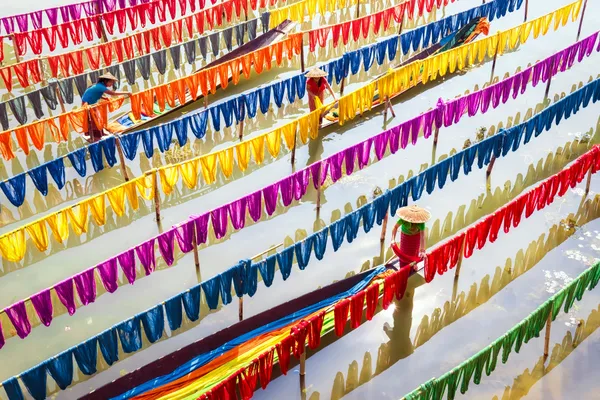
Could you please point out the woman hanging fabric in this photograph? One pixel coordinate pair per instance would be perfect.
(411, 223)
(316, 84)
(93, 94)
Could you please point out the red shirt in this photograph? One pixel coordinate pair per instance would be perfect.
(315, 87)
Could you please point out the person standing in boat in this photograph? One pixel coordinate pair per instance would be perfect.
(316, 84)
(411, 224)
(94, 93)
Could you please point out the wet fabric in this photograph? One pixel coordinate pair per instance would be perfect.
(130, 335)
(61, 369)
(86, 356)
(153, 322)
(42, 303)
(174, 311)
(109, 346)
(17, 106)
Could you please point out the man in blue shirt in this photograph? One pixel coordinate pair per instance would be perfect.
(93, 94)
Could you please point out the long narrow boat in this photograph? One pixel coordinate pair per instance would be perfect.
(466, 34)
(128, 122)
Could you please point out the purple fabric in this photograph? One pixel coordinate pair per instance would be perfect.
(108, 274)
(219, 221)
(36, 19)
(17, 313)
(23, 22)
(270, 196)
(52, 14)
(439, 113)
(2, 341)
(127, 263)
(9, 25)
(364, 153)
(201, 224)
(254, 204)
(42, 303)
(381, 142)
(64, 13)
(318, 172)
(184, 234)
(350, 158)
(145, 253)
(75, 11)
(404, 132)
(65, 293)
(301, 179)
(335, 165)
(237, 213)
(85, 283)
(395, 138)
(428, 120)
(166, 246)
(286, 188)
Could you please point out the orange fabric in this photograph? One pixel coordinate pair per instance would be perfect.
(136, 105)
(37, 135)
(99, 115)
(22, 140)
(6, 146)
(192, 84)
(147, 102)
(160, 94)
(170, 94)
(56, 133)
(223, 71)
(211, 80)
(79, 119)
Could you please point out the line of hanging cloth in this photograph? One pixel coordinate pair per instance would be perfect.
(395, 198)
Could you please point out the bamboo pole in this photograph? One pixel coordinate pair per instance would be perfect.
(436, 135)
(318, 196)
(303, 361)
(42, 71)
(460, 259)
(549, 79)
(61, 101)
(195, 248)
(488, 171)
(342, 85)
(526, 10)
(206, 101)
(14, 44)
(241, 130)
(156, 196)
(122, 159)
(294, 147)
(302, 54)
(241, 309)
(357, 9)
(581, 19)
(589, 181)
(547, 338)
(385, 109)
(384, 228)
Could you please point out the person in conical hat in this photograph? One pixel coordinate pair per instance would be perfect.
(94, 93)
(316, 83)
(411, 224)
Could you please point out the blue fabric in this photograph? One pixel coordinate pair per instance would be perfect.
(130, 334)
(215, 118)
(381, 205)
(267, 269)
(191, 302)
(14, 189)
(456, 163)
(337, 231)
(252, 103)
(95, 150)
(180, 126)
(109, 346)
(469, 158)
(198, 124)
(320, 243)
(368, 55)
(380, 50)
(39, 176)
(86, 356)
(368, 212)
(251, 279)
(398, 198)
(354, 59)
(352, 225)
(61, 369)
(278, 92)
(94, 93)
(238, 105)
(34, 380)
(148, 142)
(443, 170)
(153, 322)
(239, 277)
(174, 312)
(164, 136)
(211, 292)
(203, 359)
(109, 146)
(227, 112)
(57, 171)
(226, 278)
(303, 250)
(285, 259)
(264, 95)
(13, 389)
(130, 143)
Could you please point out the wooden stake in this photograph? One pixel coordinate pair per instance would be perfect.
(493, 67)
(302, 54)
(104, 37)
(488, 171)
(294, 147)
(303, 361)
(436, 135)
(357, 9)
(342, 85)
(241, 130)
(241, 309)
(526, 10)
(549, 79)
(389, 105)
(206, 101)
(587, 184)
(122, 159)
(156, 196)
(384, 228)
(61, 101)
(547, 338)
(385, 108)
(460, 259)
(42, 71)
(581, 19)
(318, 197)
(14, 43)
(196, 255)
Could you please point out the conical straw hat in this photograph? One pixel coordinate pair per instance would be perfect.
(108, 75)
(414, 214)
(316, 73)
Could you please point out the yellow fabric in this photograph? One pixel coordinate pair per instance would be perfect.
(145, 185)
(59, 224)
(168, 178)
(116, 198)
(12, 245)
(242, 153)
(274, 142)
(39, 234)
(131, 193)
(289, 134)
(258, 149)
(189, 173)
(97, 207)
(209, 168)
(79, 219)
(226, 161)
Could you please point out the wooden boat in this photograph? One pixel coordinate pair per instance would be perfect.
(128, 122)
(466, 34)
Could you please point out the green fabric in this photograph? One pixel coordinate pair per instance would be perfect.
(409, 228)
(524, 331)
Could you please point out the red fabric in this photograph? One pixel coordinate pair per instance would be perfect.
(357, 303)
(62, 33)
(107, 53)
(565, 181)
(530, 203)
(335, 34)
(189, 26)
(345, 28)
(75, 32)
(200, 22)
(53, 63)
(166, 32)
(356, 27)
(314, 87)
(340, 313)
(34, 38)
(109, 21)
(265, 367)
(6, 73)
(1, 48)
(315, 325)
(521, 201)
(299, 333)
(284, 349)
(483, 230)
(20, 42)
(402, 281)
(93, 57)
(21, 72)
(155, 34)
(161, 11)
(389, 289)
(178, 28)
(171, 7)
(377, 19)
(121, 21)
(471, 239)
(248, 379)
(497, 220)
(365, 24)
(128, 47)
(372, 300)
(50, 36)
(132, 16)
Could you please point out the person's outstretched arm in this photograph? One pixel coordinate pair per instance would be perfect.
(114, 93)
(330, 90)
